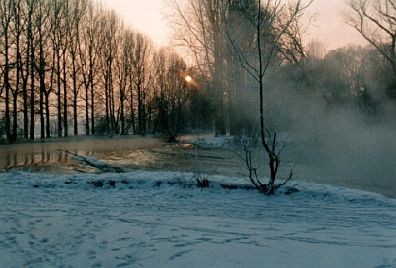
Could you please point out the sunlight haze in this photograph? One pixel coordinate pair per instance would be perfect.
(146, 16)
(328, 25)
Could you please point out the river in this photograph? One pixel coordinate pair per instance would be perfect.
(310, 162)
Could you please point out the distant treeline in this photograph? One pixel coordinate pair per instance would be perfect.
(71, 67)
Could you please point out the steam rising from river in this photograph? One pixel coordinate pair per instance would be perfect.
(334, 142)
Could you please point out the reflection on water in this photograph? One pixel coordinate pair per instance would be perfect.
(153, 154)
(30, 155)
(129, 153)
(33, 157)
(53, 155)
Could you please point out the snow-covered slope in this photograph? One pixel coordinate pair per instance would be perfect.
(152, 219)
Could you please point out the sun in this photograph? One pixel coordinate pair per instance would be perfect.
(188, 79)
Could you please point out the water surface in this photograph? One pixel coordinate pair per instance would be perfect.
(309, 161)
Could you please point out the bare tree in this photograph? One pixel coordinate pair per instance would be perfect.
(177, 95)
(109, 27)
(169, 96)
(27, 64)
(200, 24)
(43, 28)
(6, 16)
(142, 78)
(87, 60)
(78, 10)
(375, 20)
(239, 81)
(17, 31)
(269, 21)
(67, 25)
(57, 41)
(31, 26)
(55, 49)
(124, 76)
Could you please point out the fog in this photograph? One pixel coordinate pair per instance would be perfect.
(332, 143)
(334, 111)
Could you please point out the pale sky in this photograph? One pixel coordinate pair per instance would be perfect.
(147, 16)
(328, 27)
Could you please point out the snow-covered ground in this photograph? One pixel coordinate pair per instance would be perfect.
(153, 219)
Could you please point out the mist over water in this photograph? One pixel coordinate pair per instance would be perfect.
(334, 144)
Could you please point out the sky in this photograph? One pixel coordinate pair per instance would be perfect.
(328, 26)
(147, 16)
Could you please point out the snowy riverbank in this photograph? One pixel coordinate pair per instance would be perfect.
(61, 220)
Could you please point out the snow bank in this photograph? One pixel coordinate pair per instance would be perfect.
(231, 142)
(209, 141)
(154, 219)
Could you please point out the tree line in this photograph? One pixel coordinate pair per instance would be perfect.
(244, 47)
(73, 67)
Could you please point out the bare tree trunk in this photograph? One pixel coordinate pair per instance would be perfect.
(75, 96)
(92, 100)
(18, 67)
(140, 111)
(25, 85)
(219, 116)
(7, 81)
(59, 92)
(25, 110)
(41, 106)
(92, 92)
(122, 116)
(32, 86)
(47, 118)
(15, 117)
(87, 121)
(65, 115)
(112, 106)
(132, 105)
(42, 85)
(107, 105)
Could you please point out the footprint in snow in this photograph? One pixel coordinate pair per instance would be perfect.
(179, 254)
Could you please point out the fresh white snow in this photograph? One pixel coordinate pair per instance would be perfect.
(158, 219)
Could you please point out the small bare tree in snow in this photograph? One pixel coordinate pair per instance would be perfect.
(269, 23)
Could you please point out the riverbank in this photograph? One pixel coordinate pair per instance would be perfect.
(204, 154)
